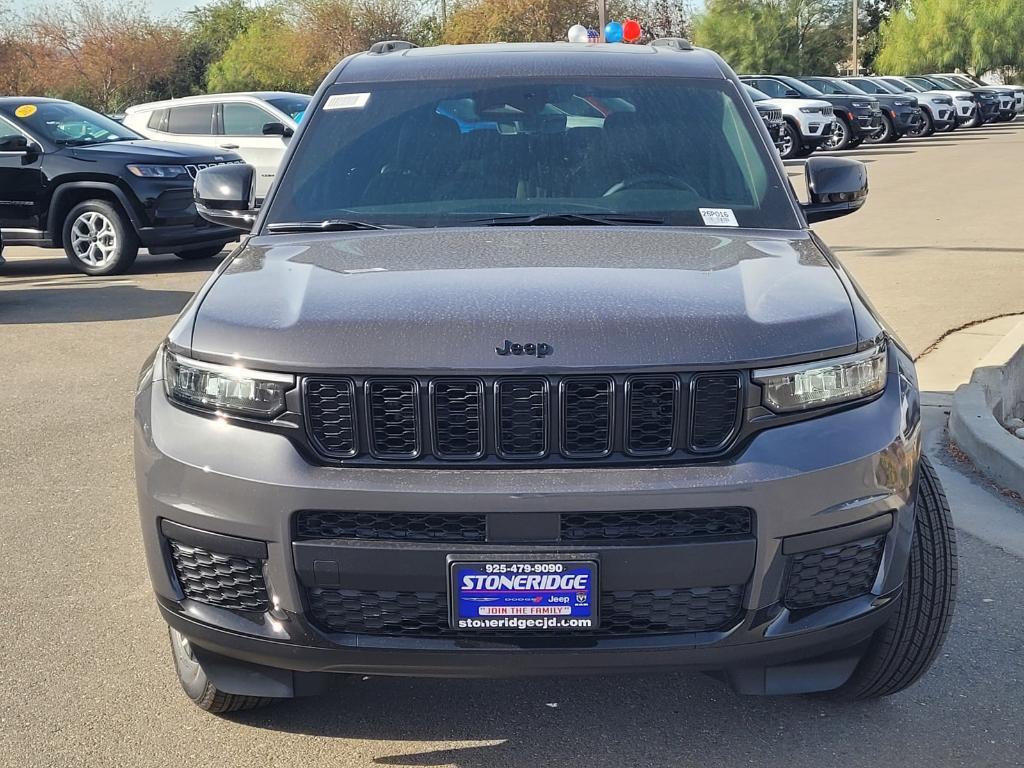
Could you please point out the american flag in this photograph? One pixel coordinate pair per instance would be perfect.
(593, 35)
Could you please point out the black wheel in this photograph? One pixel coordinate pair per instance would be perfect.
(925, 128)
(197, 685)
(975, 122)
(840, 137)
(99, 239)
(790, 144)
(885, 135)
(805, 151)
(207, 252)
(904, 648)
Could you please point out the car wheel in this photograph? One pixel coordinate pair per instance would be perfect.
(840, 137)
(99, 239)
(789, 146)
(197, 685)
(903, 649)
(925, 128)
(975, 122)
(885, 135)
(200, 253)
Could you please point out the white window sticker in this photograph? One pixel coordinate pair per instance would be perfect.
(719, 217)
(346, 101)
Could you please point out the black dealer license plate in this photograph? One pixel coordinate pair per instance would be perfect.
(524, 595)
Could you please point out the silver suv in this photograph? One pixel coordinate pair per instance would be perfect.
(531, 365)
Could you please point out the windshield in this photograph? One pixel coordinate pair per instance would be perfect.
(903, 86)
(754, 94)
(835, 86)
(68, 124)
(293, 106)
(678, 152)
(962, 81)
(805, 90)
(946, 83)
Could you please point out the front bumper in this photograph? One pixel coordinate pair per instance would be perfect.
(815, 483)
(866, 124)
(907, 120)
(168, 219)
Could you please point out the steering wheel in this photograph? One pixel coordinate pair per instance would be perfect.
(649, 181)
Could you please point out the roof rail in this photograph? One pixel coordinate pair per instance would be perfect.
(389, 46)
(679, 43)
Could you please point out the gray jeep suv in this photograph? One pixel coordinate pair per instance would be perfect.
(530, 365)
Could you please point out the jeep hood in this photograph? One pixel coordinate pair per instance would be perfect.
(436, 299)
(144, 150)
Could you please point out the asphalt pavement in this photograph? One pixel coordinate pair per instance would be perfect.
(85, 673)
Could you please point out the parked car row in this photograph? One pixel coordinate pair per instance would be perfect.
(834, 113)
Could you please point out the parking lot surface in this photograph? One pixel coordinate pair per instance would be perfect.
(85, 674)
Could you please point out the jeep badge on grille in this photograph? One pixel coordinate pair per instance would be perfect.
(535, 350)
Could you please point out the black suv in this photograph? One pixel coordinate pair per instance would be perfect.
(857, 117)
(548, 375)
(72, 178)
(900, 114)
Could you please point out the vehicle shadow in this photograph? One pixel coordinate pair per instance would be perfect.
(88, 302)
(56, 265)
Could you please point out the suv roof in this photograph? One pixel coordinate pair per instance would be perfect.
(446, 62)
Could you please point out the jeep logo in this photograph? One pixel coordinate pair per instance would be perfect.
(534, 350)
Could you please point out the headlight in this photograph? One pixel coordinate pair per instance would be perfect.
(826, 382)
(968, 99)
(943, 100)
(234, 390)
(809, 110)
(862, 104)
(900, 103)
(158, 171)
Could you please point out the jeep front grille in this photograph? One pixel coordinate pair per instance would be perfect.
(550, 419)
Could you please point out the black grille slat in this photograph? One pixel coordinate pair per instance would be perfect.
(330, 410)
(826, 576)
(651, 409)
(622, 613)
(522, 418)
(394, 410)
(655, 524)
(457, 418)
(715, 409)
(411, 526)
(587, 417)
(227, 581)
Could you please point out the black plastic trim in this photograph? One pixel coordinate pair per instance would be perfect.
(830, 537)
(214, 542)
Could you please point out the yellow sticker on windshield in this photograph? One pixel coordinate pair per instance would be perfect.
(25, 110)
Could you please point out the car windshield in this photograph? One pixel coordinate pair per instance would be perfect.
(904, 86)
(961, 81)
(805, 90)
(949, 84)
(836, 86)
(293, 106)
(755, 95)
(67, 124)
(678, 152)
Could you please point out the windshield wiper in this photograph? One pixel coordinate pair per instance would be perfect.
(330, 225)
(563, 219)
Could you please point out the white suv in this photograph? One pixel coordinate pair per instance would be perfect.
(256, 125)
(808, 122)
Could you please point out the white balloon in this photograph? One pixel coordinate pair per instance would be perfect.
(577, 33)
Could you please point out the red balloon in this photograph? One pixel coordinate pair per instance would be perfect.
(631, 30)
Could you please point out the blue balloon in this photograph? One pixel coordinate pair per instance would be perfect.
(613, 32)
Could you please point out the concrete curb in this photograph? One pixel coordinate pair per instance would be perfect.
(974, 427)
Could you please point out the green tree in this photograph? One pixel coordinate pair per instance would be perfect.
(266, 56)
(781, 36)
(941, 35)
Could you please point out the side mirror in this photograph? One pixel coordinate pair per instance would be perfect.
(792, 93)
(278, 129)
(18, 144)
(225, 195)
(836, 187)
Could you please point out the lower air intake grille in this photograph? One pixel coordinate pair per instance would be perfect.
(425, 614)
(715, 409)
(227, 581)
(826, 576)
(391, 525)
(659, 524)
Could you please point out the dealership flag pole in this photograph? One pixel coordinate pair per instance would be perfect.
(856, 61)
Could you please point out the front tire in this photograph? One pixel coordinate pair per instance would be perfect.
(884, 136)
(790, 146)
(927, 127)
(197, 685)
(99, 239)
(841, 137)
(904, 648)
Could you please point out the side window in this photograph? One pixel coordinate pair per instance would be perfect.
(241, 119)
(7, 132)
(194, 120)
(823, 86)
(158, 120)
(773, 88)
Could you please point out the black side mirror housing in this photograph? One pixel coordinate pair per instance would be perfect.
(792, 93)
(225, 195)
(18, 144)
(278, 129)
(836, 187)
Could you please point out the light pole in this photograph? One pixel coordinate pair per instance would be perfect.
(856, 58)
(601, 12)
